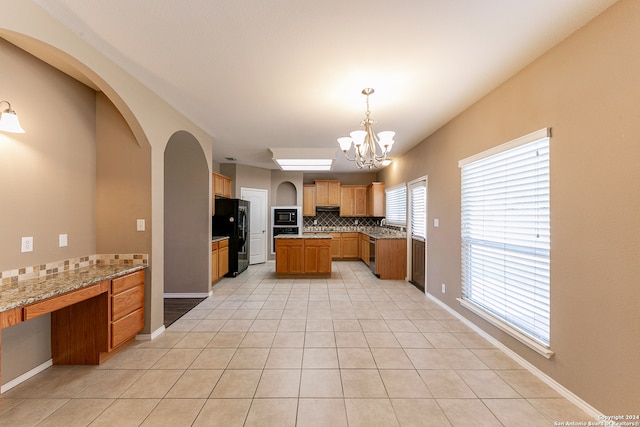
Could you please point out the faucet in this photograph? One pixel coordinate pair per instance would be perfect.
(383, 222)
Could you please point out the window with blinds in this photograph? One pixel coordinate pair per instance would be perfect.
(506, 233)
(396, 205)
(419, 210)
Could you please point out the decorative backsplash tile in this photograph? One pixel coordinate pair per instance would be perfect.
(42, 270)
(333, 219)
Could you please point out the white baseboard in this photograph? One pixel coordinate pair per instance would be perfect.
(22, 378)
(194, 295)
(152, 336)
(564, 392)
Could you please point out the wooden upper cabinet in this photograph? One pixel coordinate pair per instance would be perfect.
(375, 199)
(327, 193)
(309, 200)
(353, 200)
(221, 185)
(347, 200)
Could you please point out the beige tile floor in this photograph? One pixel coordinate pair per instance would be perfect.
(349, 350)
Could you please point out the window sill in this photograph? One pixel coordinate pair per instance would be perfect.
(504, 327)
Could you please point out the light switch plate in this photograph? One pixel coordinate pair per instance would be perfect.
(140, 225)
(62, 240)
(436, 222)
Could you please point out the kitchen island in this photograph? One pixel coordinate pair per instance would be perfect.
(306, 254)
(382, 249)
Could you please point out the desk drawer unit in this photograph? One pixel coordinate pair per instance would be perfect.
(127, 307)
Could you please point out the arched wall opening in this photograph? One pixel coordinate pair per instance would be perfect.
(187, 218)
(286, 194)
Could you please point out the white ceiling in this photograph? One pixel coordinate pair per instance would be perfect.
(257, 74)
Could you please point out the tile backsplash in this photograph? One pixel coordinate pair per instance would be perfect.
(333, 219)
(41, 270)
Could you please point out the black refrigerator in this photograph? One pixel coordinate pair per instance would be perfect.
(232, 219)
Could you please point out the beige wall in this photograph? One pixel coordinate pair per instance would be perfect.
(587, 89)
(123, 184)
(47, 184)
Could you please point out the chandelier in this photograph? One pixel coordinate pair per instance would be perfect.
(365, 142)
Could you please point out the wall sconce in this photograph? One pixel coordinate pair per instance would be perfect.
(9, 120)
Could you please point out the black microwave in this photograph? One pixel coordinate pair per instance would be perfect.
(285, 216)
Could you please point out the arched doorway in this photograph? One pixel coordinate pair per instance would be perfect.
(187, 219)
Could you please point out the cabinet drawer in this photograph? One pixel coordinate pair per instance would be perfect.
(125, 282)
(127, 327)
(223, 243)
(126, 302)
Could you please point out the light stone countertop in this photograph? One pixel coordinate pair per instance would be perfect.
(375, 232)
(304, 236)
(25, 292)
(219, 238)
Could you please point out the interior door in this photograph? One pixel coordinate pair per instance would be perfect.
(418, 232)
(258, 223)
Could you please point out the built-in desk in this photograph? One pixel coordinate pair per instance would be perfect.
(95, 310)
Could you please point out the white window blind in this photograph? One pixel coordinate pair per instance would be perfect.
(506, 234)
(419, 211)
(396, 205)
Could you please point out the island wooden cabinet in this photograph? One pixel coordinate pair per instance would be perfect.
(290, 256)
(327, 192)
(317, 256)
(353, 200)
(303, 256)
(309, 200)
(375, 199)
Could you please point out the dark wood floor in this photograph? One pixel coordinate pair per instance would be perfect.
(175, 308)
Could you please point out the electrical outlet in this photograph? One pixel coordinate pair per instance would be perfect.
(355, 222)
(315, 222)
(27, 244)
(62, 240)
(444, 288)
(140, 225)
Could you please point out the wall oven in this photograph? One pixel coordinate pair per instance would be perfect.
(285, 220)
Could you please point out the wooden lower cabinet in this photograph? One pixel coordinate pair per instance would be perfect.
(345, 245)
(303, 256)
(223, 258)
(335, 245)
(219, 259)
(88, 332)
(317, 256)
(127, 308)
(350, 246)
(214, 261)
(391, 259)
(289, 256)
